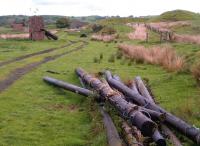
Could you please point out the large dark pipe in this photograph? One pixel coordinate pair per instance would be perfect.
(142, 88)
(171, 135)
(138, 86)
(144, 91)
(158, 138)
(183, 127)
(126, 110)
(112, 134)
(149, 113)
(49, 35)
(154, 115)
(133, 87)
(68, 86)
(111, 131)
(131, 139)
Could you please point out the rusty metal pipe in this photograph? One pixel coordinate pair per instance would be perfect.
(128, 110)
(183, 127)
(68, 86)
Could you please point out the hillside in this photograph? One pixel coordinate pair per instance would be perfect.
(176, 15)
(48, 19)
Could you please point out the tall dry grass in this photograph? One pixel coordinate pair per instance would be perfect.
(168, 25)
(104, 38)
(187, 38)
(165, 57)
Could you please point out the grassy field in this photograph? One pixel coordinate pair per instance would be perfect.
(35, 113)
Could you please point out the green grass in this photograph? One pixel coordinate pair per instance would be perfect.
(8, 30)
(176, 15)
(35, 113)
(111, 21)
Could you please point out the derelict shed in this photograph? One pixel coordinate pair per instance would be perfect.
(18, 26)
(36, 25)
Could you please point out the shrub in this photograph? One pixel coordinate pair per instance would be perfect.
(108, 31)
(96, 28)
(196, 72)
(62, 23)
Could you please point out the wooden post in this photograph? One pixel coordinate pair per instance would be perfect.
(147, 37)
(161, 35)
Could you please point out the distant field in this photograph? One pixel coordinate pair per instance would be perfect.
(34, 113)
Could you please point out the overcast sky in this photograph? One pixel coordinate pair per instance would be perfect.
(95, 7)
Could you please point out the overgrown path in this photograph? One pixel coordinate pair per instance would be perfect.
(19, 72)
(35, 54)
(140, 32)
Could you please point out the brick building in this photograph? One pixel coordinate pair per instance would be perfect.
(36, 24)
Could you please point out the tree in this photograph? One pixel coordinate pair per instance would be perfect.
(62, 23)
(96, 28)
(108, 30)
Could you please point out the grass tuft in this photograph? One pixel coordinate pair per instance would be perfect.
(101, 56)
(96, 60)
(111, 58)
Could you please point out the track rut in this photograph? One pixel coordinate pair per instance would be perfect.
(35, 54)
(19, 72)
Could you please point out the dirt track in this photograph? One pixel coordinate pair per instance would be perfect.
(14, 36)
(19, 72)
(140, 32)
(35, 54)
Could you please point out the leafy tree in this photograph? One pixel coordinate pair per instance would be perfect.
(108, 30)
(62, 23)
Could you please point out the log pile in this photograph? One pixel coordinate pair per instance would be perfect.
(142, 119)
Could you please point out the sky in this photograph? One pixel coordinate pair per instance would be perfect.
(95, 7)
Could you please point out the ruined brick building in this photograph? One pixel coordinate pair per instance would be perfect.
(36, 25)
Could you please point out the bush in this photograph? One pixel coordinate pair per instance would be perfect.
(96, 60)
(196, 72)
(62, 23)
(96, 28)
(108, 31)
